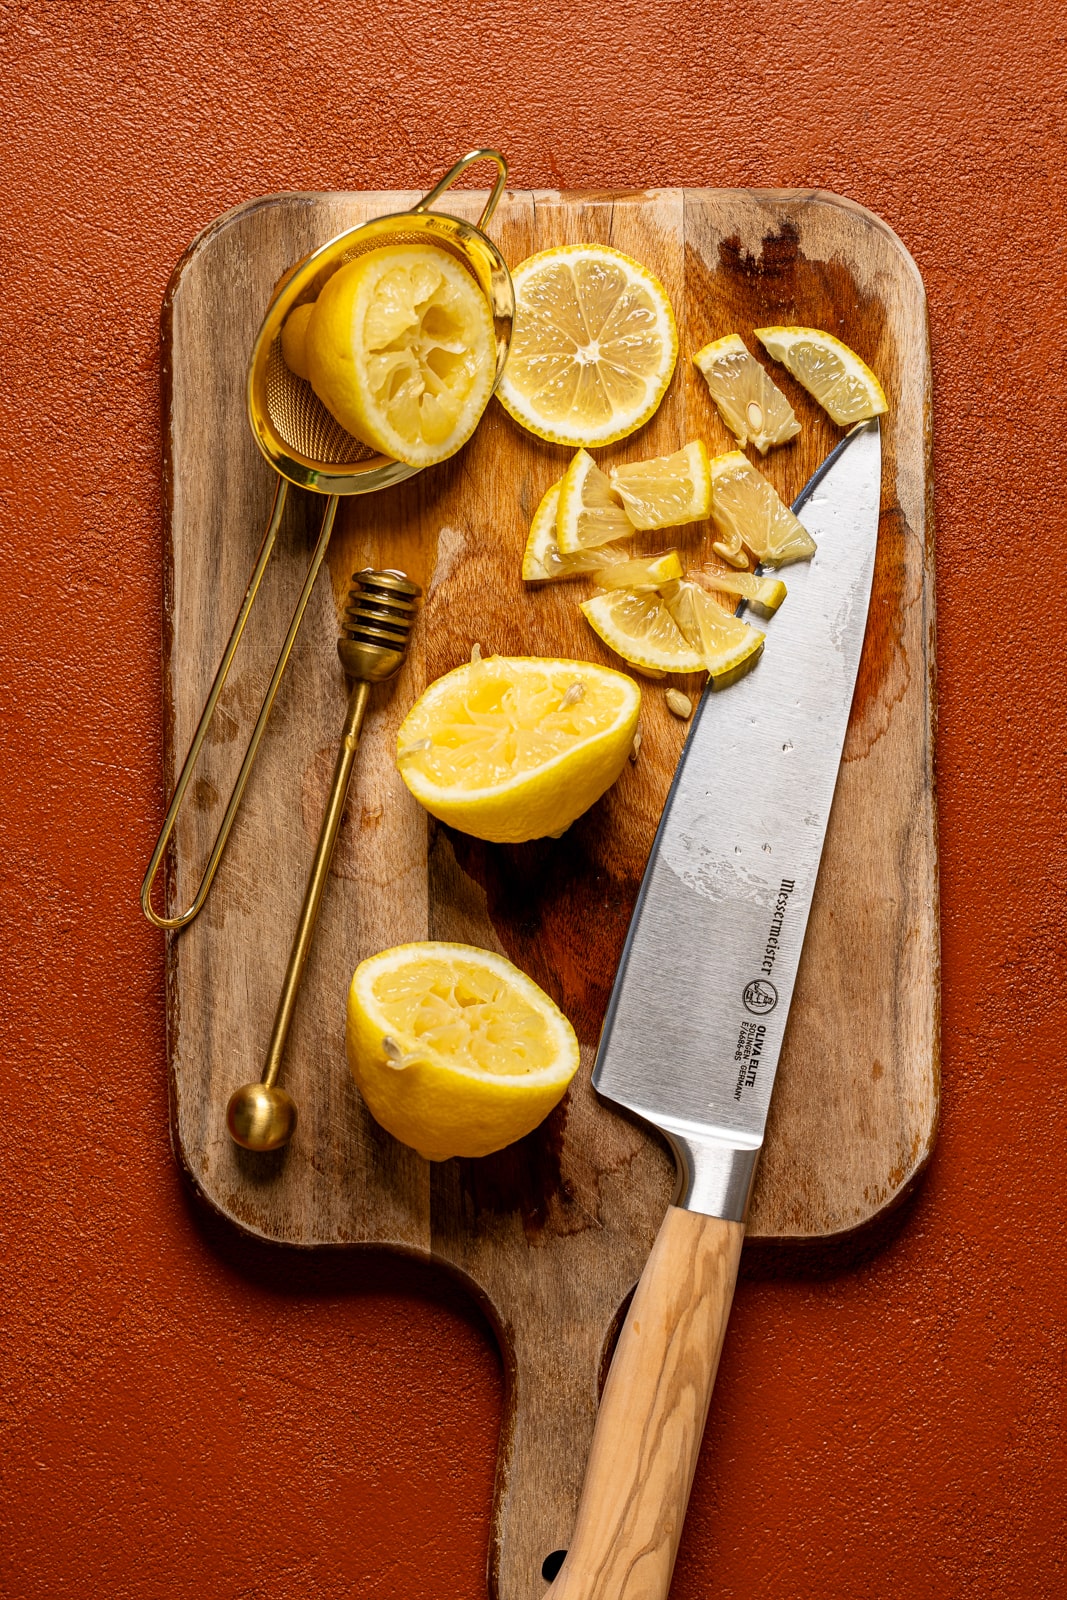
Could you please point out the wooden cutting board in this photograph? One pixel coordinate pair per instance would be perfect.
(553, 1232)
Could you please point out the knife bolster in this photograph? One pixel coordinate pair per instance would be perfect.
(714, 1178)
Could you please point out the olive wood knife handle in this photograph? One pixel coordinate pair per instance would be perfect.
(652, 1414)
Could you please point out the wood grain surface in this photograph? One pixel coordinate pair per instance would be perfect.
(553, 1232)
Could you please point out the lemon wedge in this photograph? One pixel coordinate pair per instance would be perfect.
(640, 629)
(589, 511)
(515, 748)
(646, 572)
(834, 375)
(454, 1050)
(593, 348)
(746, 510)
(666, 491)
(751, 406)
(763, 593)
(541, 560)
(400, 348)
(727, 646)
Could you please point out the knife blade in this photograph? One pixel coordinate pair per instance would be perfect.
(697, 1017)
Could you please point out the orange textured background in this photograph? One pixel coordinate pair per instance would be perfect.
(186, 1415)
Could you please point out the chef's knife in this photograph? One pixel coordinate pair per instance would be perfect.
(698, 1013)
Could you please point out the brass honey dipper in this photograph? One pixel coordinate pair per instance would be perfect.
(377, 623)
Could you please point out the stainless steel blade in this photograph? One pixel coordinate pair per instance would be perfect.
(697, 1016)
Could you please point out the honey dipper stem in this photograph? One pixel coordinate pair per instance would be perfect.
(317, 878)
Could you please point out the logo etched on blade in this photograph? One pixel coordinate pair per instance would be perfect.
(760, 997)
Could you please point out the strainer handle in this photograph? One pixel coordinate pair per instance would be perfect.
(458, 170)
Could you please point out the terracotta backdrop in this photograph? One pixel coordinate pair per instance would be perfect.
(189, 1417)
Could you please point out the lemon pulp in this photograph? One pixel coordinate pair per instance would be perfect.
(640, 629)
(834, 375)
(749, 403)
(594, 345)
(541, 559)
(746, 510)
(455, 1051)
(516, 748)
(400, 349)
(666, 491)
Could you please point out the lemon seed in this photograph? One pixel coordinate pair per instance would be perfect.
(575, 693)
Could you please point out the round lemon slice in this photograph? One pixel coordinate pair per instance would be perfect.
(746, 509)
(727, 646)
(589, 511)
(668, 490)
(594, 345)
(400, 348)
(516, 748)
(455, 1051)
(541, 559)
(833, 374)
(752, 407)
(640, 629)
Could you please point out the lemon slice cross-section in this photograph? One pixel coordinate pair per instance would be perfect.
(455, 1051)
(594, 345)
(400, 348)
(728, 647)
(752, 407)
(589, 510)
(541, 559)
(747, 510)
(640, 629)
(517, 747)
(834, 375)
(668, 490)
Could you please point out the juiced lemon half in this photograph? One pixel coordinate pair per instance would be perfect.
(517, 747)
(455, 1051)
(594, 345)
(400, 348)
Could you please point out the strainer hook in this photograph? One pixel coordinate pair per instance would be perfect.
(457, 172)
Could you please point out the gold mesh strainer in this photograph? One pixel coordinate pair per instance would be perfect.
(306, 446)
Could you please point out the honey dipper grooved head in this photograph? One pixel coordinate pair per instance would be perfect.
(377, 624)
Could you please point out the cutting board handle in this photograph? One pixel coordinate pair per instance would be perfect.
(652, 1414)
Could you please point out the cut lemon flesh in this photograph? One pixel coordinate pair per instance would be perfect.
(640, 629)
(649, 572)
(593, 348)
(746, 509)
(832, 374)
(516, 748)
(400, 348)
(751, 406)
(455, 1051)
(764, 594)
(727, 646)
(541, 560)
(541, 557)
(668, 490)
(589, 511)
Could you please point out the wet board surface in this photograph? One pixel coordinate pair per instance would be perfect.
(552, 1233)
